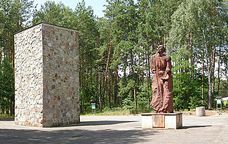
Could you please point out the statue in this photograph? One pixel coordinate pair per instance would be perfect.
(160, 65)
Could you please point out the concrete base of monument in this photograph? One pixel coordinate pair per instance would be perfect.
(161, 120)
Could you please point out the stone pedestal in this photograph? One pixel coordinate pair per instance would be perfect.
(161, 120)
(46, 76)
(200, 111)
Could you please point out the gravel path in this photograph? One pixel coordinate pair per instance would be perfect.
(119, 130)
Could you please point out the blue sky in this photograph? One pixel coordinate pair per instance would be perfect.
(97, 5)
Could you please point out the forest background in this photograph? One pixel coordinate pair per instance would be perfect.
(115, 49)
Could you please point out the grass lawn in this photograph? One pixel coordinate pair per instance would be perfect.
(109, 112)
(6, 117)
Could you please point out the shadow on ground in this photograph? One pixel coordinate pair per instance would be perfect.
(6, 119)
(107, 122)
(77, 136)
(196, 126)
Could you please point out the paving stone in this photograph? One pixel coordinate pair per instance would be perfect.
(119, 130)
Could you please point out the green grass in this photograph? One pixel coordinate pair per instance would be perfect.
(6, 117)
(109, 112)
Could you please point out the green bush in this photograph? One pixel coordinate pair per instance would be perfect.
(225, 103)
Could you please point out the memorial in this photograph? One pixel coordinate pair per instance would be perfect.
(47, 76)
(162, 99)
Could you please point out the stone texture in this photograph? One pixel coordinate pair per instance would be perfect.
(158, 121)
(161, 120)
(200, 111)
(46, 76)
(173, 120)
(146, 121)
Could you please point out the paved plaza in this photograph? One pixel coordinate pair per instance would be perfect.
(120, 130)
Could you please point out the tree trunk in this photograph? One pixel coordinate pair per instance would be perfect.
(103, 90)
(12, 108)
(209, 91)
(108, 61)
(213, 71)
(191, 58)
(100, 92)
(203, 67)
(109, 93)
(115, 91)
(211, 54)
(219, 56)
(136, 100)
(81, 80)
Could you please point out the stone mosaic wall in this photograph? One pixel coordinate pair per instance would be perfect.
(47, 76)
(29, 77)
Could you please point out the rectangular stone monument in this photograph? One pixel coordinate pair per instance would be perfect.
(46, 76)
(161, 120)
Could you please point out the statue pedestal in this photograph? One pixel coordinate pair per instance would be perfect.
(161, 120)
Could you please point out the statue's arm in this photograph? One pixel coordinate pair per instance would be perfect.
(169, 65)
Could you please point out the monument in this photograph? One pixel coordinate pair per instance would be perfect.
(162, 99)
(46, 76)
(162, 84)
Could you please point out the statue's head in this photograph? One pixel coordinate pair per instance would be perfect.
(161, 49)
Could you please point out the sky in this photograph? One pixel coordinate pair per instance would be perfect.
(97, 5)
